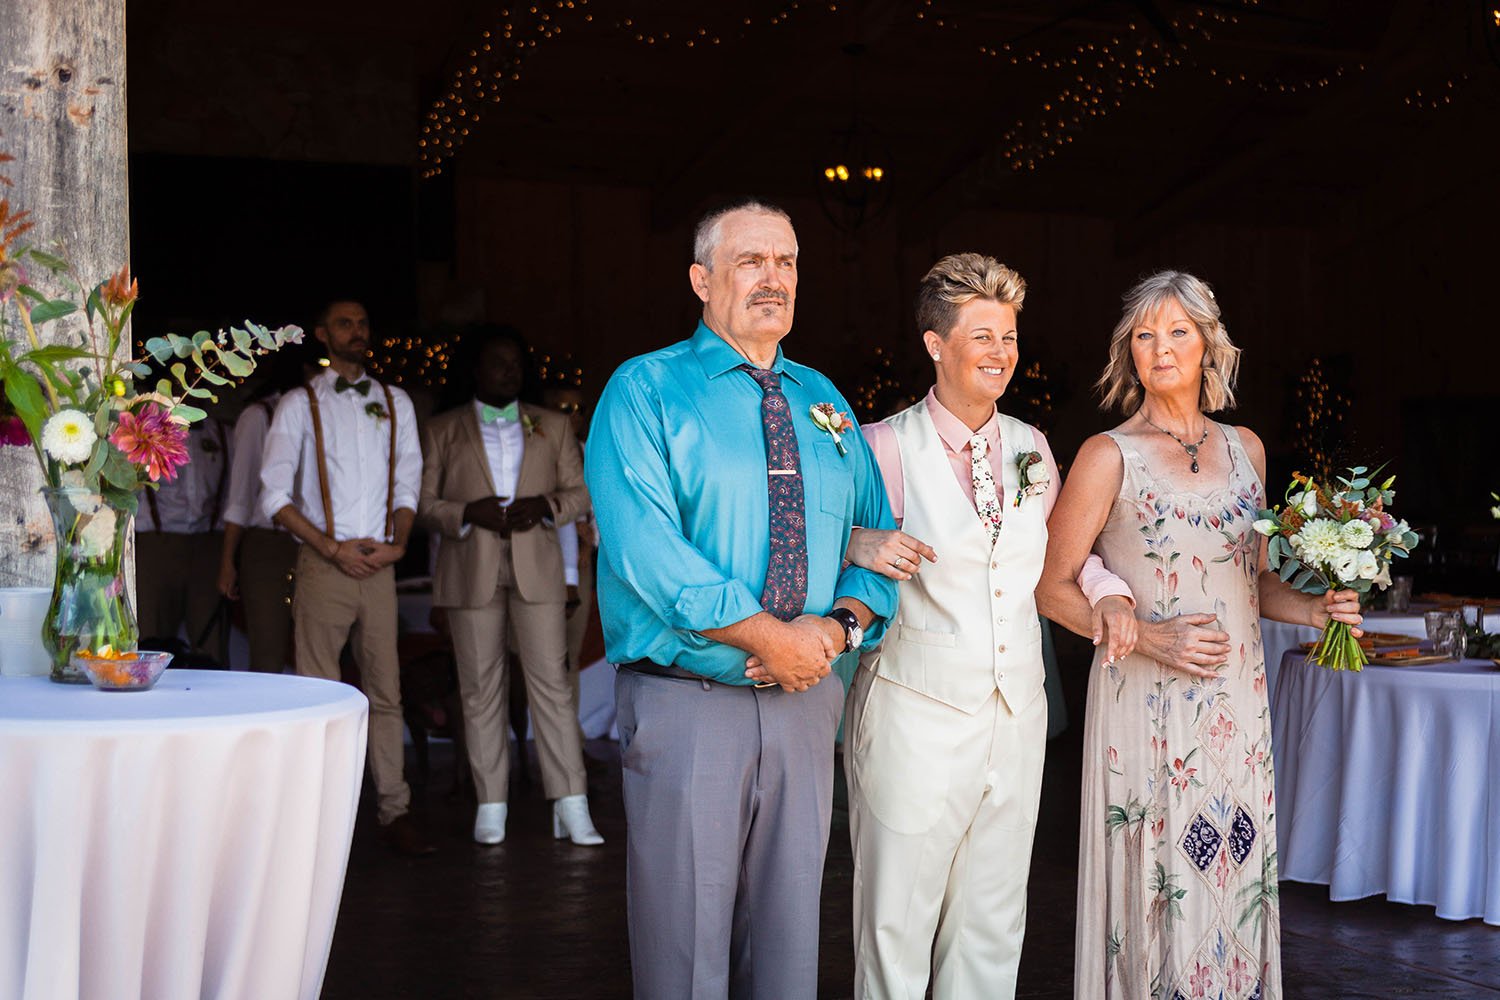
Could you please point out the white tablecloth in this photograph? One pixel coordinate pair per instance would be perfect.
(184, 842)
(1388, 782)
(1278, 637)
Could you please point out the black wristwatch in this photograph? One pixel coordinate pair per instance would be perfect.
(854, 633)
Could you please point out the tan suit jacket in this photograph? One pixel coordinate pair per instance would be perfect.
(456, 471)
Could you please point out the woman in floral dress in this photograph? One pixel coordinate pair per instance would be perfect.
(1177, 889)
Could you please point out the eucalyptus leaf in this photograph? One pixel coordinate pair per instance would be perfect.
(236, 364)
(159, 348)
(121, 499)
(163, 387)
(181, 346)
(1289, 568)
(189, 413)
(242, 340)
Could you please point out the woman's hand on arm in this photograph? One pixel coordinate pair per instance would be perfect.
(893, 554)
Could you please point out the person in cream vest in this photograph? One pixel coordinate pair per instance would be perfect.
(500, 476)
(946, 721)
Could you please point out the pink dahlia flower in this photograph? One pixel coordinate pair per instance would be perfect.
(152, 439)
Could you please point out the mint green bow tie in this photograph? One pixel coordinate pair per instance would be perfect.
(509, 413)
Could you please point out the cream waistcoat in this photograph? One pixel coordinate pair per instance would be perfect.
(966, 625)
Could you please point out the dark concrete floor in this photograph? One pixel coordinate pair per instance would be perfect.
(538, 918)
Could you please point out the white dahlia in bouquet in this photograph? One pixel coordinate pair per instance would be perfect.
(1336, 537)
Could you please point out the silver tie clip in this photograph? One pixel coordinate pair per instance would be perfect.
(782, 472)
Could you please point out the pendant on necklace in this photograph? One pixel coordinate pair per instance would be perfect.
(1192, 451)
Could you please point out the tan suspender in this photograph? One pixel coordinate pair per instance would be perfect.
(390, 479)
(317, 422)
(390, 471)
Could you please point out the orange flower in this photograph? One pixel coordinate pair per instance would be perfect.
(120, 290)
(12, 225)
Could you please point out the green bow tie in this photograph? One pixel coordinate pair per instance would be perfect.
(362, 386)
(509, 413)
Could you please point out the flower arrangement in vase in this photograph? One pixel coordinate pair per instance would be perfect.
(98, 436)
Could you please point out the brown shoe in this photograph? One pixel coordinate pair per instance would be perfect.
(406, 837)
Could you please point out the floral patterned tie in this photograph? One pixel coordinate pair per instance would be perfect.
(985, 499)
(785, 593)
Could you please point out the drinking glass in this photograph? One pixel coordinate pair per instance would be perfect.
(1398, 596)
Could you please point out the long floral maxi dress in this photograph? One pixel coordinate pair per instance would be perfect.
(1177, 892)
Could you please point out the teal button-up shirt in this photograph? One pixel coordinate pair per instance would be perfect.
(676, 468)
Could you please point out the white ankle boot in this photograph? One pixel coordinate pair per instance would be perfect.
(489, 823)
(570, 818)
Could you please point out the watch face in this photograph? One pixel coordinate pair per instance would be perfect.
(856, 636)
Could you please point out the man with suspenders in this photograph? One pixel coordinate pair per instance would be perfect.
(341, 472)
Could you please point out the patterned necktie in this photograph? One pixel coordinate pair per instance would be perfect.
(785, 592)
(362, 386)
(985, 500)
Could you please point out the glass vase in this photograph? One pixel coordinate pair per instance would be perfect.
(90, 606)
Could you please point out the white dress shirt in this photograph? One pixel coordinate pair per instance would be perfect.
(356, 446)
(504, 444)
(185, 504)
(242, 500)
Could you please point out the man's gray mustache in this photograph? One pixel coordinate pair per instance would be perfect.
(766, 297)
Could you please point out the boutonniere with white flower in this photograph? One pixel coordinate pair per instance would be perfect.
(836, 424)
(1034, 475)
(530, 426)
(376, 410)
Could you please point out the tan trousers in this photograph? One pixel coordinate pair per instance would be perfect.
(942, 809)
(541, 641)
(331, 608)
(267, 563)
(175, 576)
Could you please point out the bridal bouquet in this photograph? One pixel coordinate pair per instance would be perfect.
(1336, 536)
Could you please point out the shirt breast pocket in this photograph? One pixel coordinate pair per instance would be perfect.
(835, 482)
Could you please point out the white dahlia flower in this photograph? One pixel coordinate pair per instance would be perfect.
(68, 436)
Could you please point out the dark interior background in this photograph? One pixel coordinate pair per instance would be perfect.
(1331, 168)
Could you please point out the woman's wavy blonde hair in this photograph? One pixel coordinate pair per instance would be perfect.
(1118, 385)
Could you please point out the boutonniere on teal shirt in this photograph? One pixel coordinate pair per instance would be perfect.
(1034, 475)
(530, 426)
(376, 410)
(826, 418)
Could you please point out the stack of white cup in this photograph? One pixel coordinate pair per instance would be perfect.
(22, 652)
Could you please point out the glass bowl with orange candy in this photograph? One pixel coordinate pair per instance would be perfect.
(122, 670)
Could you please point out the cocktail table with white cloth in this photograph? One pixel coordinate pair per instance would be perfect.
(1278, 637)
(1388, 782)
(187, 841)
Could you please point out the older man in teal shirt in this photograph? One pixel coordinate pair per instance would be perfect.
(724, 510)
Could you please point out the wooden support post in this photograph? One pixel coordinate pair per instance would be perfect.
(62, 116)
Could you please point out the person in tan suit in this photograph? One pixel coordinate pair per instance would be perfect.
(499, 476)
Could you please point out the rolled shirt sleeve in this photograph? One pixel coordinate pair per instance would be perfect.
(242, 498)
(408, 485)
(283, 454)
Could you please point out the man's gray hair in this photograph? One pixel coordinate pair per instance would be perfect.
(711, 227)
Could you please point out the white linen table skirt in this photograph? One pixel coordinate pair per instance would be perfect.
(184, 842)
(1388, 782)
(1278, 637)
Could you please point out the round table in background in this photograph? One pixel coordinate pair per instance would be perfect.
(1278, 637)
(1388, 783)
(183, 842)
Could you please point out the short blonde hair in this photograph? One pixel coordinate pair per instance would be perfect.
(960, 278)
(1118, 384)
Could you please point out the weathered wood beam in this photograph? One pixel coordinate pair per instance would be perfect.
(62, 116)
